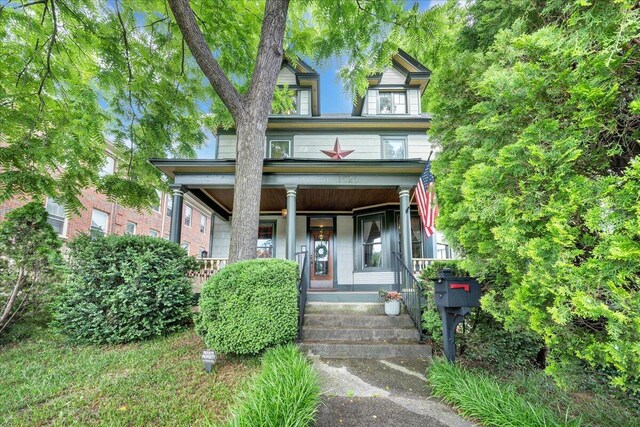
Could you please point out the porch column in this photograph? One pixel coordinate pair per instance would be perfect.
(291, 221)
(175, 231)
(405, 226)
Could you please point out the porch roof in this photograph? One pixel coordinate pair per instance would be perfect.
(338, 186)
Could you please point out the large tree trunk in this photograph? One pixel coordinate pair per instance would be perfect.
(250, 112)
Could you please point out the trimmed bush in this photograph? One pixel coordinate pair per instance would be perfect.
(125, 288)
(284, 394)
(249, 306)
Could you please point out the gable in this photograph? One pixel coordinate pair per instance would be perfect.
(286, 77)
(392, 76)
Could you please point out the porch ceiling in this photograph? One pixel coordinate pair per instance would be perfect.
(312, 199)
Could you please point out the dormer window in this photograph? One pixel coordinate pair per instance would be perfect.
(392, 102)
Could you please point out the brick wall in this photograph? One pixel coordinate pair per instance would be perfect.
(145, 221)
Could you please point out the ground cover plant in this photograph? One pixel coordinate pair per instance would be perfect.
(526, 397)
(249, 306)
(125, 288)
(46, 381)
(285, 393)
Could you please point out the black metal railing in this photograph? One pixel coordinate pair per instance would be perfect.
(303, 285)
(412, 292)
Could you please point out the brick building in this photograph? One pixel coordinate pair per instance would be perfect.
(100, 215)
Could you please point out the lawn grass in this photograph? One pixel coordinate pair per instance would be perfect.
(159, 382)
(525, 399)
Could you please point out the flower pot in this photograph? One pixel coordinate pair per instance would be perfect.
(392, 308)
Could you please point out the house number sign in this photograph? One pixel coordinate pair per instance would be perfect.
(347, 179)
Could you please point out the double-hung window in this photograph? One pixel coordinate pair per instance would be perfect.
(109, 167)
(371, 242)
(266, 233)
(203, 223)
(131, 227)
(392, 102)
(56, 216)
(99, 223)
(169, 206)
(187, 215)
(279, 147)
(394, 147)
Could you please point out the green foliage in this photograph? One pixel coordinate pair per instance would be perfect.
(483, 398)
(249, 306)
(29, 267)
(125, 288)
(285, 393)
(537, 183)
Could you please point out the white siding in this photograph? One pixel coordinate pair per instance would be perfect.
(419, 146)
(227, 147)
(344, 249)
(286, 77)
(221, 238)
(305, 103)
(392, 77)
(301, 232)
(374, 278)
(371, 102)
(413, 100)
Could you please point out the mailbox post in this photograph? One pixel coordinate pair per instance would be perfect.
(454, 298)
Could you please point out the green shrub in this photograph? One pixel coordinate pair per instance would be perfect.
(483, 398)
(29, 270)
(284, 394)
(249, 306)
(125, 288)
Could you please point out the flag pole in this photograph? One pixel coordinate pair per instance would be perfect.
(414, 191)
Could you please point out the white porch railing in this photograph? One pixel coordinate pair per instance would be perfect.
(208, 267)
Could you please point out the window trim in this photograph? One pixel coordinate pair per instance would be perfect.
(167, 209)
(159, 205)
(203, 227)
(405, 139)
(92, 228)
(186, 246)
(384, 243)
(65, 222)
(186, 206)
(393, 91)
(279, 138)
(152, 230)
(102, 172)
(135, 228)
(274, 234)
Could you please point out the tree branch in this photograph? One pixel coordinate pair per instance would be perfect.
(203, 56)
(270, 54)
(54, 33)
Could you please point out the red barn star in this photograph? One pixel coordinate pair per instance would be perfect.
(337, 153)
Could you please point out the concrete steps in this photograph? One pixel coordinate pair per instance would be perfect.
(359, 330)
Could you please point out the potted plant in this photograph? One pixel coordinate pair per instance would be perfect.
(392, 301)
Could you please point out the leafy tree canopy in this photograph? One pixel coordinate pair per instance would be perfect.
(74, 73)
(536, 108)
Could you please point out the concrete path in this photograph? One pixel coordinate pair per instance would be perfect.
(369, 393)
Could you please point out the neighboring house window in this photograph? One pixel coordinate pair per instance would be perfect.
(187, 215)
(131, 228)
(394, 147)
(266, 231)
(109, 167)
(156, 208)
(99, 222)
(392, 102)
(203, 252)
(203, 223)
(154, 233)
(185, 246)
(279, 148)
(169, 206)
(56, 216)
(371, 241)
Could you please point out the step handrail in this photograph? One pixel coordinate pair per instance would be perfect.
(412, 292)
(303, 285)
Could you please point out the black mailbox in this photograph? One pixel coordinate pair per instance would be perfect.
(457, 292)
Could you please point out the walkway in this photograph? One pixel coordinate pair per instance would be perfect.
(370, 392)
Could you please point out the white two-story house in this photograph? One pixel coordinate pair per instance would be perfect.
(337, 186)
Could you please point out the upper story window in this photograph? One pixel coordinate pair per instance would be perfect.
(154, 233)
(203, 223)
(392, 102)
(266, 232)
(188, 212)
(99, 222)
(109, 167)
(394, 147)
(279, 147)
(169, 206)
(156, 207)
(57, 215)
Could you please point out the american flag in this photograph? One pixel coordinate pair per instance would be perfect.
(427, 203)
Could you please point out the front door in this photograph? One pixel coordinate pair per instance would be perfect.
(321, 259)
